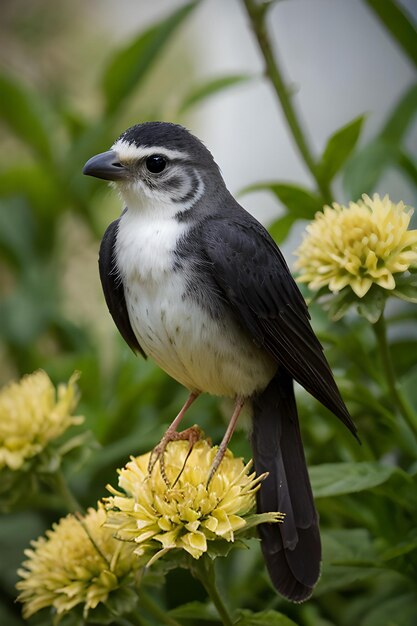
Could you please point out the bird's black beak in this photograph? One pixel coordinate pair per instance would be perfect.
(106, 166)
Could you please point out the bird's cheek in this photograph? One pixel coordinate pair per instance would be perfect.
(134, 192)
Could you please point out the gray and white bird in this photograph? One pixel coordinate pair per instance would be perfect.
(196, 283)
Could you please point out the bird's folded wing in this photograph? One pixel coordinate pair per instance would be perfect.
(255, 279)
(113, 288)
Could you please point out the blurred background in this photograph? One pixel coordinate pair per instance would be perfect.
(73, 76)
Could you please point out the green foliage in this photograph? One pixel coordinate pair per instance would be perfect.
(338, 149)
(20, 109)
(366, 167)
(210, 88)
(398, 23)
(366, 495)
(406, 288)
(127, 68)
(298, 203)
(335, 479)
(262, 618)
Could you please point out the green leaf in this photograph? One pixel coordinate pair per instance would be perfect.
(348, 557)
(338, 149)
(17, 231)
(22, 112)
(129, 66)
(401, 117)
(120, 601)
(35, 183)
(338, 304)
(401, 488)
(407, 165)
(398, 23)
(400, 610)
(280, 229)
(353, 545)
(30, 307)
(371, 306)
(194, 610)
(406, 288)
(364, 170)
(407, 545)
(300, 202)
(335, 479)
(222, 548)
(210, 88)
(263, 618)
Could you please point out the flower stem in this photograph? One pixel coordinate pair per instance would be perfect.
(403, 406)
(131, 620)
(257, 14)
(161, 616)
(203, 570)
(61, 487)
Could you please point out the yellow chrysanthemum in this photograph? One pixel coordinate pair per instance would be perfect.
(360, 245)
(78, 562)
(188, 515)
(32, 413)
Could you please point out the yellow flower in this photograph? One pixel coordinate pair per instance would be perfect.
(32, 413)
(188, 515)
(360, 245)
(78, 562)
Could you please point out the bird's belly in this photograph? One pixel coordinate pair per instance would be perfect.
(201, 352)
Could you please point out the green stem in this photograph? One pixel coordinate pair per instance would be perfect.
(60, 486)
(131, 620)
(203, 570)
(257, 13)
(161, 616)
(380, 329)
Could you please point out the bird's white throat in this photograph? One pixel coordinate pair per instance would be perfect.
(145, 244)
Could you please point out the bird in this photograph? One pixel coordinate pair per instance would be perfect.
(195, 282)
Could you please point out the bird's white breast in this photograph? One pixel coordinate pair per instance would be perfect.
(202, 353)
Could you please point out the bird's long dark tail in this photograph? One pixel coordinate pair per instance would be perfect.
(292, 550)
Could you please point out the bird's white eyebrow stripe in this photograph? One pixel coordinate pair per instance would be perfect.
(130, 152)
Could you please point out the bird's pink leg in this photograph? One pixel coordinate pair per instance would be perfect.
(171, 434)
(227, 437)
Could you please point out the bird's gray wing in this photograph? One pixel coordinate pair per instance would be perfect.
(113, 288)
(254, 278)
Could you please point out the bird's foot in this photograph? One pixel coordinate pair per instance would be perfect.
(192, 435)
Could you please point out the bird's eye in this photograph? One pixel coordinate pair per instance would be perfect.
(156, 163)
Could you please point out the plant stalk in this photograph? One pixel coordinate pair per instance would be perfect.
(203, 570)
(161, 616)
(131, 620)
(257, 14)
(403, 406)
(61, 487)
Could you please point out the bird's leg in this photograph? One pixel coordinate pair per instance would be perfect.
(225, 441)
(172, 435)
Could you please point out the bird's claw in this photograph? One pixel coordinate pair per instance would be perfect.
(192, 435)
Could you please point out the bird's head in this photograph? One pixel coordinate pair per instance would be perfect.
(157, 163)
